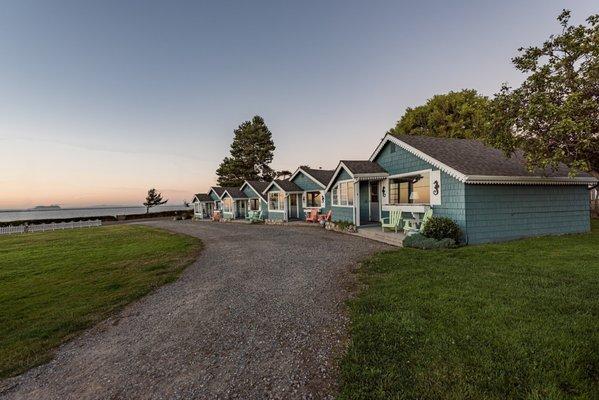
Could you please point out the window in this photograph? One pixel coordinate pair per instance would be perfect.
(313, 199)
(254, 204)
(343, 194)
(276, 201)
(410, 190)
(227, 204)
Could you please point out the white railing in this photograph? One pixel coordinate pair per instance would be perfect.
(52, 226)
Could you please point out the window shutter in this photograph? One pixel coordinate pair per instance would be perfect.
(385, 192)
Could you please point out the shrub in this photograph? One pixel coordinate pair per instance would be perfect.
(442, 228)
(418, 241)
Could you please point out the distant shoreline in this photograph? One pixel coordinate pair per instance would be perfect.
(77, 208)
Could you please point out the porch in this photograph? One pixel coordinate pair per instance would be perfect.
(374, 232)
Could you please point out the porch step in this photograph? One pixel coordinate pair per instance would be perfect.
(394, 239)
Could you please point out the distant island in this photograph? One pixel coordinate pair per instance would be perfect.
(46, 208)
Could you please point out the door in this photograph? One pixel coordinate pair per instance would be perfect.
(374, 201)
(208, 210)
(241, 205)
(293, 206)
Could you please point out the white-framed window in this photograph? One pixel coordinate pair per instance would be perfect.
(313, 199)
(343, 194)
(276, 201)
(254, 204)
(227, 204)
(413, 189)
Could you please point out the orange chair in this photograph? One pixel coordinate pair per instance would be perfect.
(312, 216)
(325, 217)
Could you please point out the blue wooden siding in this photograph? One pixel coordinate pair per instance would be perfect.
(251, 193)
(305, 182)
(339, 213)
(343, 214)
(213, 196)
(453, 201)
(342, 176)
(504, 212)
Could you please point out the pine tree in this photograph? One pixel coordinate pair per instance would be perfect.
(251, 154)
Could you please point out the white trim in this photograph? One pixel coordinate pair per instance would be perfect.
(530, 180)
(234, 198)
(433, 161)
(280, 193)
(305, 193)
(422, 171)
(297, 171)
(482, 179)
(339, 195)
(419, 208)
(337, 170)
(212, 190)
(265, 191)
(253, 188)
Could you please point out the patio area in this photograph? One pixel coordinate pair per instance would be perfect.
(374, 232)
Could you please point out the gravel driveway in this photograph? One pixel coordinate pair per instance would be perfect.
(259, 315)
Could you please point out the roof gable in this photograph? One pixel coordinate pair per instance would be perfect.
(283, 185)
(216, 191)
(234, 192)
(255, 186)
(202, 197)
(320, 177)
(472, 161)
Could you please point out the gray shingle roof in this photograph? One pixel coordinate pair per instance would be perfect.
(235, 192)
(363, 167)
(321, 175)
(259, 186)
(287, 185)
(203, 197)
(473, 157)
(219, 190)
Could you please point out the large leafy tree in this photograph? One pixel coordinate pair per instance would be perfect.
(452, 115)
(251, 154)
(554, 115)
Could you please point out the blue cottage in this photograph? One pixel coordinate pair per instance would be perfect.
(492, 197)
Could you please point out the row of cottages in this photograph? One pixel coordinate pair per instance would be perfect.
(492, 197)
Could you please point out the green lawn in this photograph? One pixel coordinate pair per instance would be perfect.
(514, 320)
(54, 284)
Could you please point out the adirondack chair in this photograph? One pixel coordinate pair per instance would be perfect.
(393, 221)
(216, 216)
(312, 216)
(254, 216)
(412, 227)
(325, 217)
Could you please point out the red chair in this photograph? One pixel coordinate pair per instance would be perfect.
(325, 217)
(312, 216)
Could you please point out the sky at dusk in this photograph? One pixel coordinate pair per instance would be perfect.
(102, 100)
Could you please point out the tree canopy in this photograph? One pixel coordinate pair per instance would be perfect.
(251, 154)
(554, 115)
(452, 115)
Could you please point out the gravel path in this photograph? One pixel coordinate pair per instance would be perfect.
(259, 315)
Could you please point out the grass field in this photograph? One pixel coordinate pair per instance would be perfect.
(54, 284)
(514, 320)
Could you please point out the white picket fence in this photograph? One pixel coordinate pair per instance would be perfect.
(52, 226)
